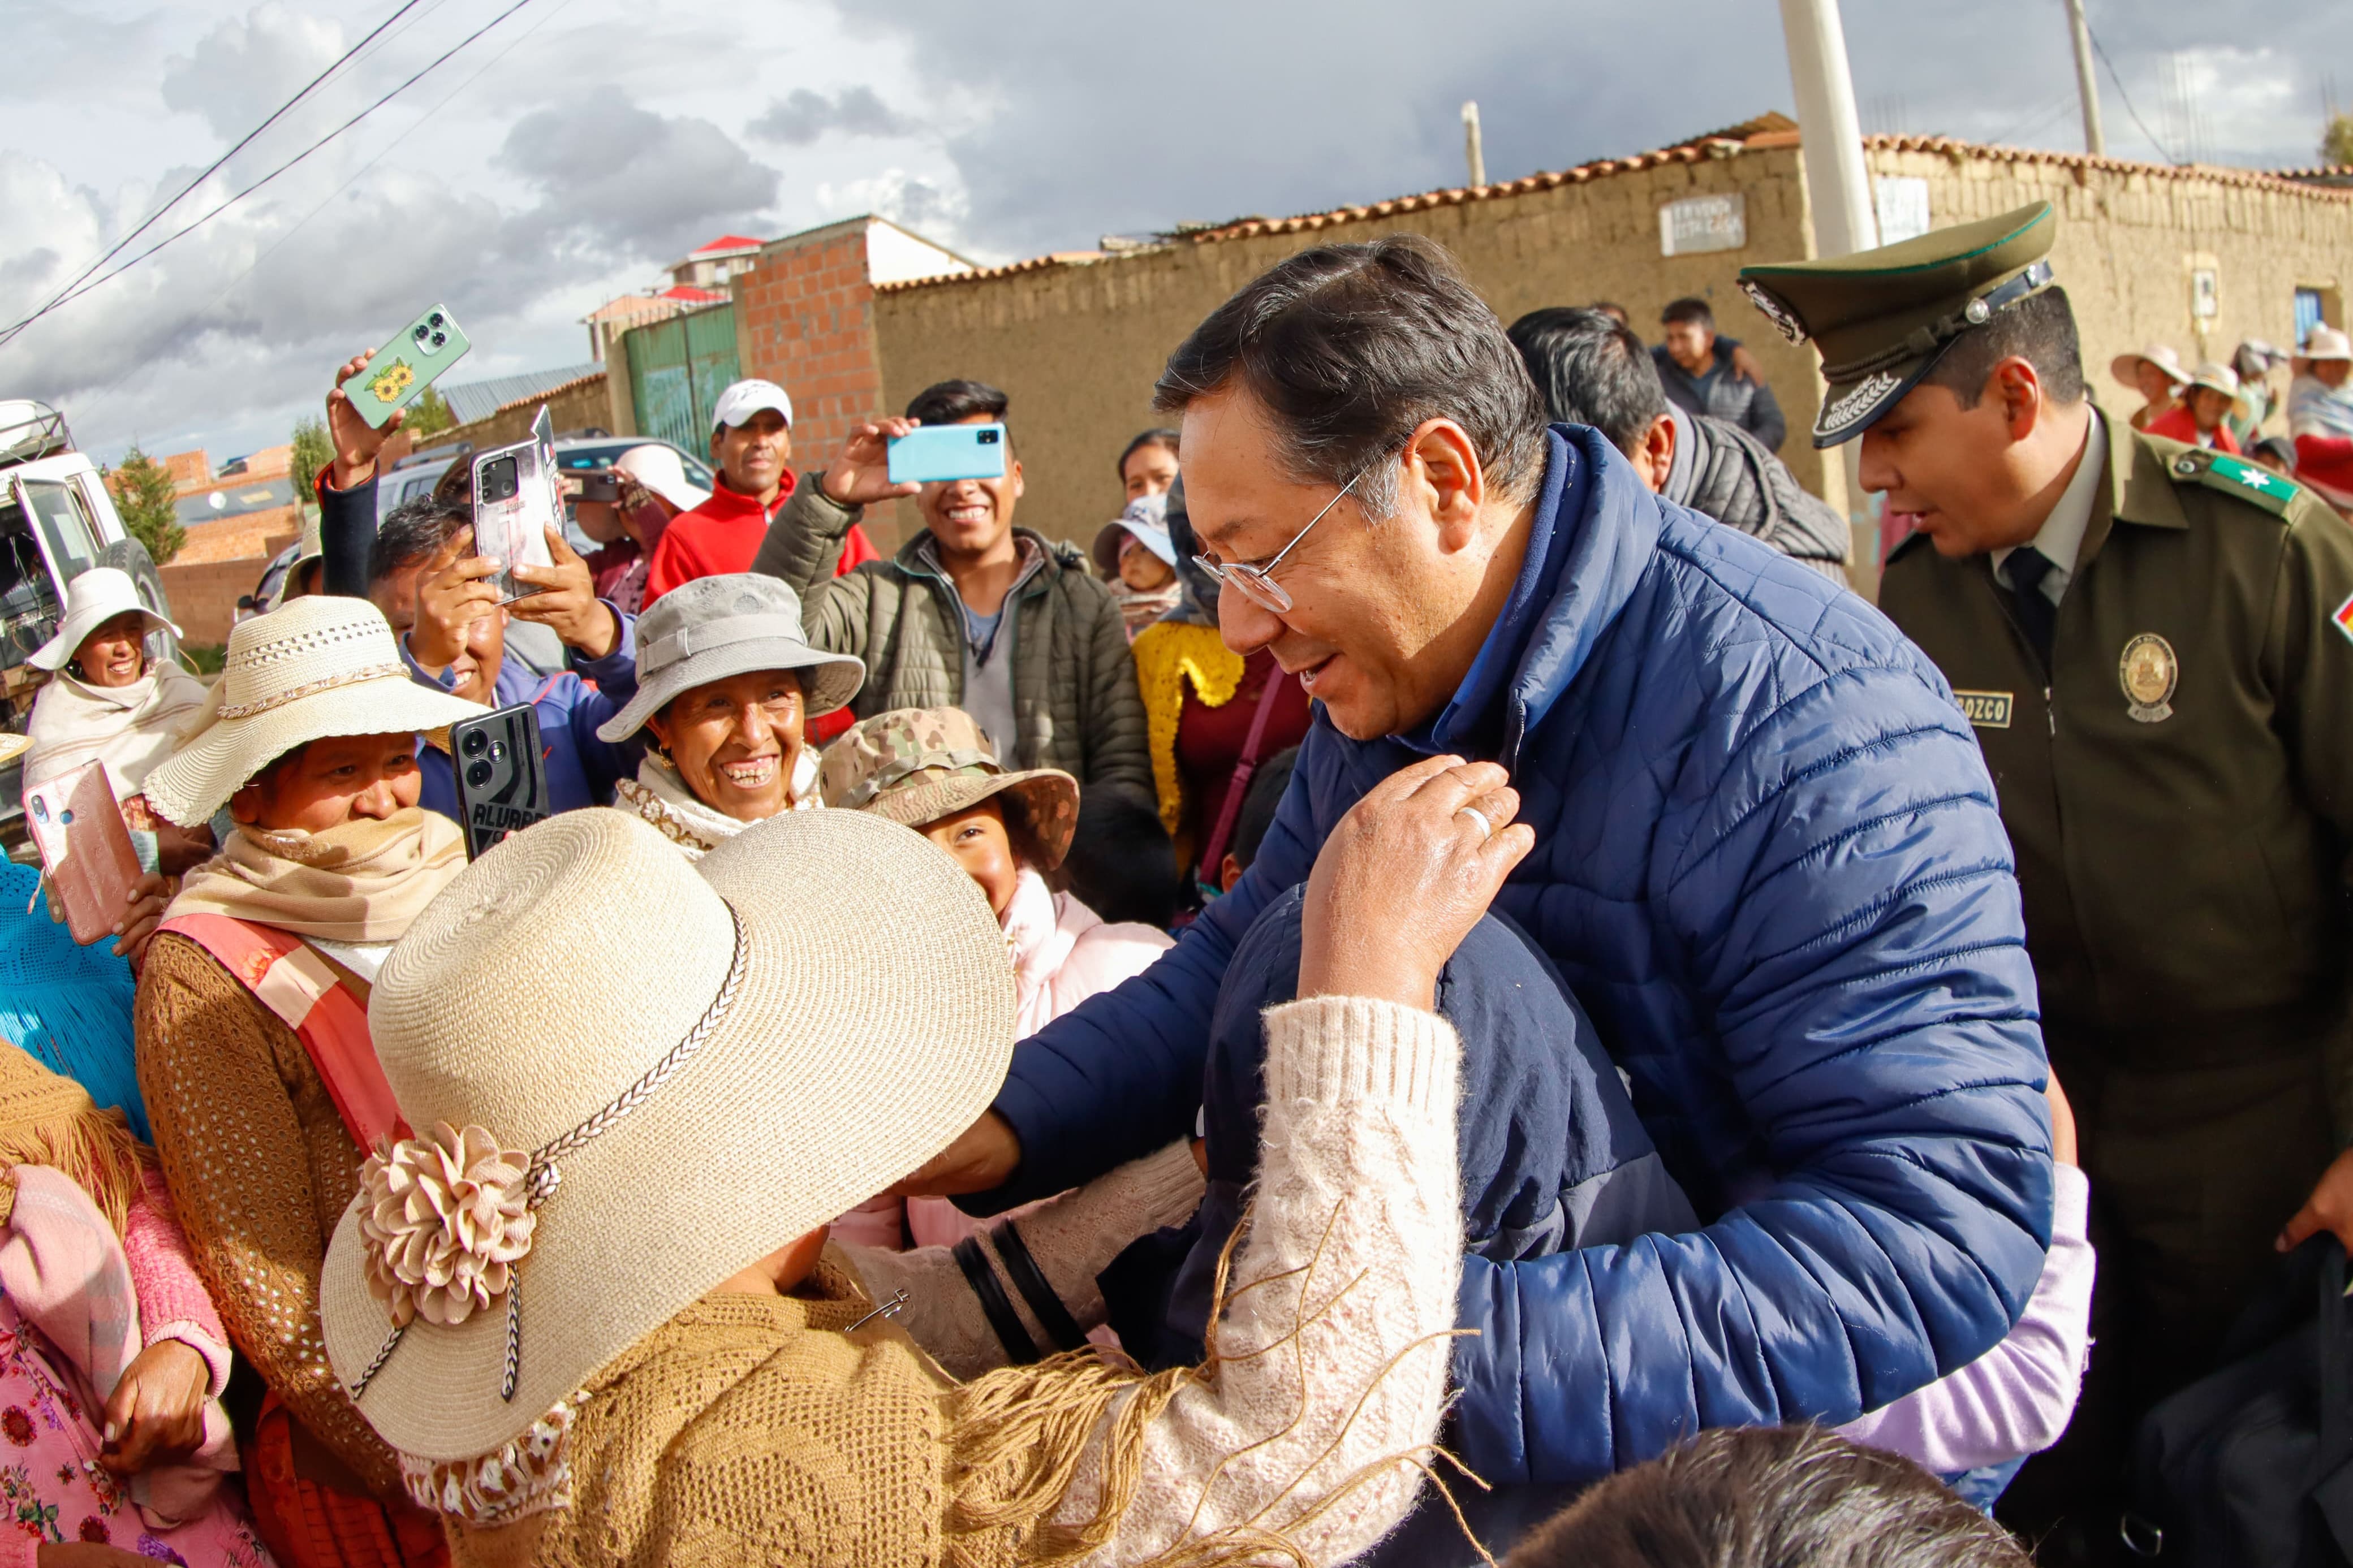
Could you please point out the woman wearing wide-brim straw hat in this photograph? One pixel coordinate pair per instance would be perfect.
(637, 1350)
(252, 1024)
(2156, 375)
(725, 682)
(109, 701)
(935, 771)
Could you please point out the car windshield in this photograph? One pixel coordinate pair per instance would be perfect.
(28, 601)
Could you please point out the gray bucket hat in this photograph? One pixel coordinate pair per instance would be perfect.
(714, 627)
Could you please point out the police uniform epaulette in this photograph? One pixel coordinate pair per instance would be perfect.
(2234, 477)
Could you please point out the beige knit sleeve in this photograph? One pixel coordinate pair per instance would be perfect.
(237, 1157)
(1073, 1236)
(1331, 1359)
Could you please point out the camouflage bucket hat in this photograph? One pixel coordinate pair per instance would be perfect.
(916, 765)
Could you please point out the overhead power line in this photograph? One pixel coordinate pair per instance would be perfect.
(2114, 74)
(77, 291)
(218, 164)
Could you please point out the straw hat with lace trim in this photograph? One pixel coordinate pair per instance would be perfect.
(917, 766)
(313, 668)
(743, 1063)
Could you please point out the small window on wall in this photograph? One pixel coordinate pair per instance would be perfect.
(2315, 308)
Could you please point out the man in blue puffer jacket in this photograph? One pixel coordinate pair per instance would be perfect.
(1768, 861)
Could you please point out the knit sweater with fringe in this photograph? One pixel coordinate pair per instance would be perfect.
(754, 1429)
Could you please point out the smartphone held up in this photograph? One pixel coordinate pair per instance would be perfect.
(86, 851)
(398, 373)
(931, 454)
(518, 497)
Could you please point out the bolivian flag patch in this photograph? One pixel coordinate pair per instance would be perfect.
(2344, 617)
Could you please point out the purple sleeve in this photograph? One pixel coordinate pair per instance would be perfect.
(2015, 1399)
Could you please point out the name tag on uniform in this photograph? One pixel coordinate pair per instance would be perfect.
(1985, 710)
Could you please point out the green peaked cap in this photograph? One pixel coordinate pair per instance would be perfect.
(1884, 318)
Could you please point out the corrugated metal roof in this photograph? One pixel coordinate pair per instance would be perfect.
(480, 399)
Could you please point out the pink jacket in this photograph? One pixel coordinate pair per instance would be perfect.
(1063, 953)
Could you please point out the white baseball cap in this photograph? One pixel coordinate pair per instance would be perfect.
(745, 398)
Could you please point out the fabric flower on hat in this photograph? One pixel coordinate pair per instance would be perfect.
(446, 1216)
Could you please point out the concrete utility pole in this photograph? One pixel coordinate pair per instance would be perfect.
(1829, 128)
(1837, 188)
(2086, 84)
(1470, 153)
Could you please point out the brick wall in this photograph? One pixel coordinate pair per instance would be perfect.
(203, 596)
(805, 320)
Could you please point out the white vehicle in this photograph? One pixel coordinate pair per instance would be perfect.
(57, 522)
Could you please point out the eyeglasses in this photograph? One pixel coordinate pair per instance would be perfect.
(1257, 584)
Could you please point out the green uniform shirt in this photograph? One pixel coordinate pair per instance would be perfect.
(2179, 787)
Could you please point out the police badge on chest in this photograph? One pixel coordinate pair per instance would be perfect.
(2149, 673)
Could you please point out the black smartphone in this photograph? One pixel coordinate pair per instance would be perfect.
(501, 776)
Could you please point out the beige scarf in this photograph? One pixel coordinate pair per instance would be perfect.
(129, 728)
(659, 796)
(362, 881)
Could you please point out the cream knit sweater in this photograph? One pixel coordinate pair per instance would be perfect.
(1350, 1264)
(1334, 1341)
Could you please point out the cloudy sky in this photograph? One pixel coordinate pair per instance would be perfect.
(578, 145)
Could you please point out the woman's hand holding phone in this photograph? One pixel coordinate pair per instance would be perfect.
(150, 896)
(355, 441)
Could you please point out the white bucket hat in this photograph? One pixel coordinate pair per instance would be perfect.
(93, 599)
(1146, 518)
(714, 627)
(2159, 355)
(657, 468)
(2327, 342)
(744, 1062)
(318, 666)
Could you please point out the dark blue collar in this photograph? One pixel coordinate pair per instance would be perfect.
(1593, 534)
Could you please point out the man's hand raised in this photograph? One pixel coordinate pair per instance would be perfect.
(355, 441)
(566, 603)
(2330, 1208)
(860, 475)
(451, 595)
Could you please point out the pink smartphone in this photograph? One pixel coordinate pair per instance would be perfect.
(76, 824)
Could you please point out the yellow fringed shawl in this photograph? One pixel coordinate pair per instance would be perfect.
(1167, 654)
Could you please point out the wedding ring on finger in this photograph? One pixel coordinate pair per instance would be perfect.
(1486, 828)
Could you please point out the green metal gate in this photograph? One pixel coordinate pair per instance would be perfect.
(678, 368)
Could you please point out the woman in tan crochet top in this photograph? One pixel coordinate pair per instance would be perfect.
(566, 1304)
(252, 1030)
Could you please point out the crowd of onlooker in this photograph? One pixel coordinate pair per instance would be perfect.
(285, 1154)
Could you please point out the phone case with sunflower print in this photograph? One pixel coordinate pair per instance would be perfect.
(410, 362)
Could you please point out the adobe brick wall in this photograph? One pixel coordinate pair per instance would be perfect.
(203, 596)
(1078, 347)
(805, 320)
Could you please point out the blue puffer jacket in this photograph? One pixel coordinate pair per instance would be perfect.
(1770, 862)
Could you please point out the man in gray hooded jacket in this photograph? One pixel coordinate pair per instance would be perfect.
(1592, 371)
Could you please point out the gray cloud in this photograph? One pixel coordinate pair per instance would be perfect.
(1251, 108)
(243, 69)
(627, 182)
(801, 116)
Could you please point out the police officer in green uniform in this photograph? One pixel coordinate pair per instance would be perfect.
(2154, 644)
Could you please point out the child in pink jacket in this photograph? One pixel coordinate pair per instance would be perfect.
(933, 770)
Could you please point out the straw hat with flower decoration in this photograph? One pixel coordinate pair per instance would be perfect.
(917, 766)
(600, 1145)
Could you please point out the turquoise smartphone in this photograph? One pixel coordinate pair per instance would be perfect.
(932, 453)
(405, 366)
